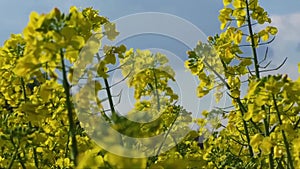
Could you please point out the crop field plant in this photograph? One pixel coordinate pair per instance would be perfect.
(40, 126)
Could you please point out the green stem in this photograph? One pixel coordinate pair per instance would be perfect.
(24, 89)
(35, 158)
(297, 123)
(15, 153)
(243, 111)
(72, 126)
(286, 143)
(257, 73)
(238, 100)
(13, 159)
(267, 133)
(166, 135)
(66, 148)
(21, 161)
(111, 103)
(256, 65)
(25, 99)
(114, 117)
(156, 90)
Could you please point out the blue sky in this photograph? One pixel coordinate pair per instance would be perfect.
(202, 13)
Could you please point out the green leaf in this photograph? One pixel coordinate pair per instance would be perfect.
(110, 31)
(110, 58)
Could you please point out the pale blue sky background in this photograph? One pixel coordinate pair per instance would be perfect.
(202, 13)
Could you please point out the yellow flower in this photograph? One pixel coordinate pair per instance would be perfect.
(278, 151)
(266, 145)
(256, 141)
(39, 150)
(129, 52)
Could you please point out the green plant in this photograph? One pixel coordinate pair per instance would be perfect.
(39, 123)
(262, 129)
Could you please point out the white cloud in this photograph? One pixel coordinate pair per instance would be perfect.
(288, 26)
(286, 43)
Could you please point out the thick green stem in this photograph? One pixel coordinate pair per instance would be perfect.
(72, 127)
(257, 73)
(256, 65)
